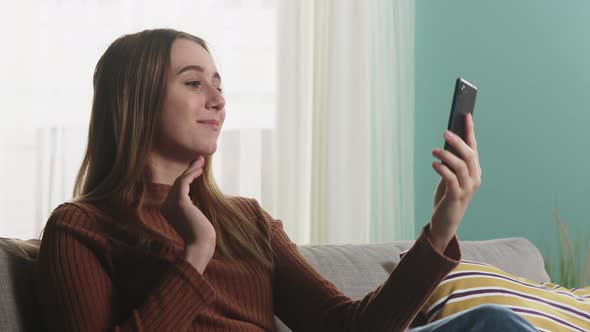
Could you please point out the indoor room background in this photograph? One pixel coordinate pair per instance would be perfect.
(333, 109)
(531, 63)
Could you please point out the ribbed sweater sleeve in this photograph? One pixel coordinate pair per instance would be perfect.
(76, 292)
(306, 301)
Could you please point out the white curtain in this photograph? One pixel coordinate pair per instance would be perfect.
(50, 48)
(392, 120)
(344, 153)
(335, 76)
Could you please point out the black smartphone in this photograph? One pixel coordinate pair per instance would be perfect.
(463, 103)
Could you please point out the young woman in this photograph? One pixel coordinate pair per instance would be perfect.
(149, 242)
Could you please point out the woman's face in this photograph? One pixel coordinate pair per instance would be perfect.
(193, 106)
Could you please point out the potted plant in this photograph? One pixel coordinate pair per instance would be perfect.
(573, 266)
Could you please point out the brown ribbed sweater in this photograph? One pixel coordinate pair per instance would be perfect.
(89, 282)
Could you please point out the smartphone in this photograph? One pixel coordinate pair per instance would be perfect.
(463, 103)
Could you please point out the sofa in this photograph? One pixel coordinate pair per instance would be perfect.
(355, 269)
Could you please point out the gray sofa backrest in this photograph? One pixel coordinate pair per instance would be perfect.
(359, 269)
(355, 269)
(18, 304)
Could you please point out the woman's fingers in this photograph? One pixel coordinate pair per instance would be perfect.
(465, 152)
(447, 175)
(195, 164)
(470, 139)
(455, 164)
(470, 132)
(465, 165)
(190, 176)
(194, 170)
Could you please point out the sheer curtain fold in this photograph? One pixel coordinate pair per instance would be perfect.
(319, 94)
(392, 123)
(344, 126)
(294, 111)
(47, 92)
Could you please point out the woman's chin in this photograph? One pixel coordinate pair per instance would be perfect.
(207, 151)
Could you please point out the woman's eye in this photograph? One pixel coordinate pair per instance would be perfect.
(194, 84)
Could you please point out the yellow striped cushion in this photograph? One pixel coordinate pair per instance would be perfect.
(546, 306)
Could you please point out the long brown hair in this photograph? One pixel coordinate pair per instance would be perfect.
(129, 82)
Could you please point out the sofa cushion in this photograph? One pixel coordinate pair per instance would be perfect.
(546, 306)
(359, 269)
(18, 305)
(355, 269)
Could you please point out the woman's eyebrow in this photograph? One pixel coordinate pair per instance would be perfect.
(199, 69)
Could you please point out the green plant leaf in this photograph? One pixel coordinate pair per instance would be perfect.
(573, 270)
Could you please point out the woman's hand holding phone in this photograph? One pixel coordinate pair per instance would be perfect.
(460, 178)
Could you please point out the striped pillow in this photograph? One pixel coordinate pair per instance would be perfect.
(546, 306)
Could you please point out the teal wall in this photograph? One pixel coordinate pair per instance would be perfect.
(531, 63)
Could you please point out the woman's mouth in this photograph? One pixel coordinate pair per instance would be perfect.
(211, 123)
